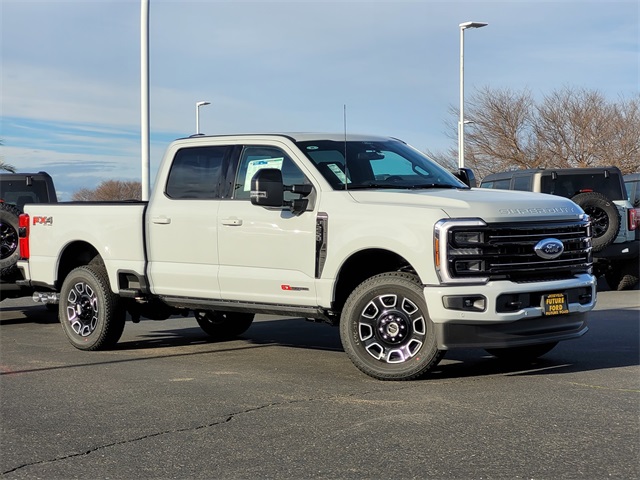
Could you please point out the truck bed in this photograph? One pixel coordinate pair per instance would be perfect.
(116, 228)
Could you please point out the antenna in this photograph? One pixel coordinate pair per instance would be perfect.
(344, 115)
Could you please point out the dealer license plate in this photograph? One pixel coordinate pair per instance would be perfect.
(554, 304)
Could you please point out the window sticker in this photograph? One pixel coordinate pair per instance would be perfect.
(255, 165)
(337, 171)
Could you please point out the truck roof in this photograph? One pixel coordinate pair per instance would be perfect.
(303, 136)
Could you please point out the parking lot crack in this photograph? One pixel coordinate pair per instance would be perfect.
(90, 451)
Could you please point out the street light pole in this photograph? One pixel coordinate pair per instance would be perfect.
(144, 98)
(198, 105)
(463, 27)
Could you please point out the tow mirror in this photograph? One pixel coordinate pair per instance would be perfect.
(267, 189)
(467, 177)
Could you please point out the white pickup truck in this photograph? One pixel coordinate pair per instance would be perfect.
(362, 232)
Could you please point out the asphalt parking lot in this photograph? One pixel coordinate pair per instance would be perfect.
(284, 401)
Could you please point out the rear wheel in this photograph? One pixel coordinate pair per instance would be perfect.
(9, 245)
(386, 330)
(605, 219)
(622, 275)
(224, 325)
(91, 315)
(522, 354)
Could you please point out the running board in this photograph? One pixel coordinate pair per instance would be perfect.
(237, 306)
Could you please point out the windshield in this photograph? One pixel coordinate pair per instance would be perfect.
(376, 164)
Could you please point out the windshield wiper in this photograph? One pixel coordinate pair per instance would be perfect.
(375, 185)
(390, 186)
(435, 185)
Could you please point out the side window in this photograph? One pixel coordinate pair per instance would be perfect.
(633, 192)
(522, 182)
(502, 184)
(196, 173)
(255, 158)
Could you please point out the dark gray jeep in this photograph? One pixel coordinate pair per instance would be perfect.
(601, 193)
(16, 190)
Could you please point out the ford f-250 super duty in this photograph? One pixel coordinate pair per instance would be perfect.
(362, 232)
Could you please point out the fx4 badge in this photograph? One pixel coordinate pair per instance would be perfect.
(43, 221)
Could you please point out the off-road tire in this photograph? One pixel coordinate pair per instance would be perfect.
(224, 325)
(629, 276)
(91, 315)
(522, 354)
(605, 218)
(9, 244)
(622, 275)
(386, 330)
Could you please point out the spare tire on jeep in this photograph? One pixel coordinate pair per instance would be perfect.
(605, 219)
(9, 248)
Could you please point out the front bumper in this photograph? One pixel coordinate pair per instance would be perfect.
(512, 315)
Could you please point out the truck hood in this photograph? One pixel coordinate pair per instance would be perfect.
(490, 205)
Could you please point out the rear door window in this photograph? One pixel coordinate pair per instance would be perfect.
(497, 184)
(522, 182)
(197, 173)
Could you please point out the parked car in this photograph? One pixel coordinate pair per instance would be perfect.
(601, 193)
(17, 190)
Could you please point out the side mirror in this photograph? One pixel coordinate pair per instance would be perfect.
(467, 177)
(267, 189)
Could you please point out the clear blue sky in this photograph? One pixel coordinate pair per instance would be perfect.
(70, 88)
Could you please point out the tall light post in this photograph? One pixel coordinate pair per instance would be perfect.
(463, 27)
(198, 105)
(144, 98)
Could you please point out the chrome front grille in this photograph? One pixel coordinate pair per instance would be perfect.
(471, 250)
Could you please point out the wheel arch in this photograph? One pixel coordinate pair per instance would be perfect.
(74, 255)
(362, 265)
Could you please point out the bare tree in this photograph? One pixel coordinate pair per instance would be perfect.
(110, 190)
(568, 128)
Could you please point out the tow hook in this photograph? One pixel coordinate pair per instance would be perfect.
(48, 298)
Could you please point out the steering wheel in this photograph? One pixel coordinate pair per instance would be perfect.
(394, 178)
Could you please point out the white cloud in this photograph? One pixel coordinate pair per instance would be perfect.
(70, 70)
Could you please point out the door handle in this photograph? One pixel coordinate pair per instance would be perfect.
(161, 220)
(234, 222)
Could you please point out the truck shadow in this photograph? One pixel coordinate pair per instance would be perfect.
(611, 343)
(38, 314)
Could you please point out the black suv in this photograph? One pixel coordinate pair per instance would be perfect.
(601, 193)
(16, 190)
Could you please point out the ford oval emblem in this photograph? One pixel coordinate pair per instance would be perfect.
(549, 248)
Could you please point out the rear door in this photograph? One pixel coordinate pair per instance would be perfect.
(182, 224)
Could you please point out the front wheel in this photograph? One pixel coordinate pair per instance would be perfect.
(386, 330)
(224, 325)
(91, 315)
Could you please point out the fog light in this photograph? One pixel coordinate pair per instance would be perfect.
(469, 266)
(471, 303)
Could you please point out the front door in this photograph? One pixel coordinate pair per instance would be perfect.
(266, 255)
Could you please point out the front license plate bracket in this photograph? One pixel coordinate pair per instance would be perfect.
(555, 304)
